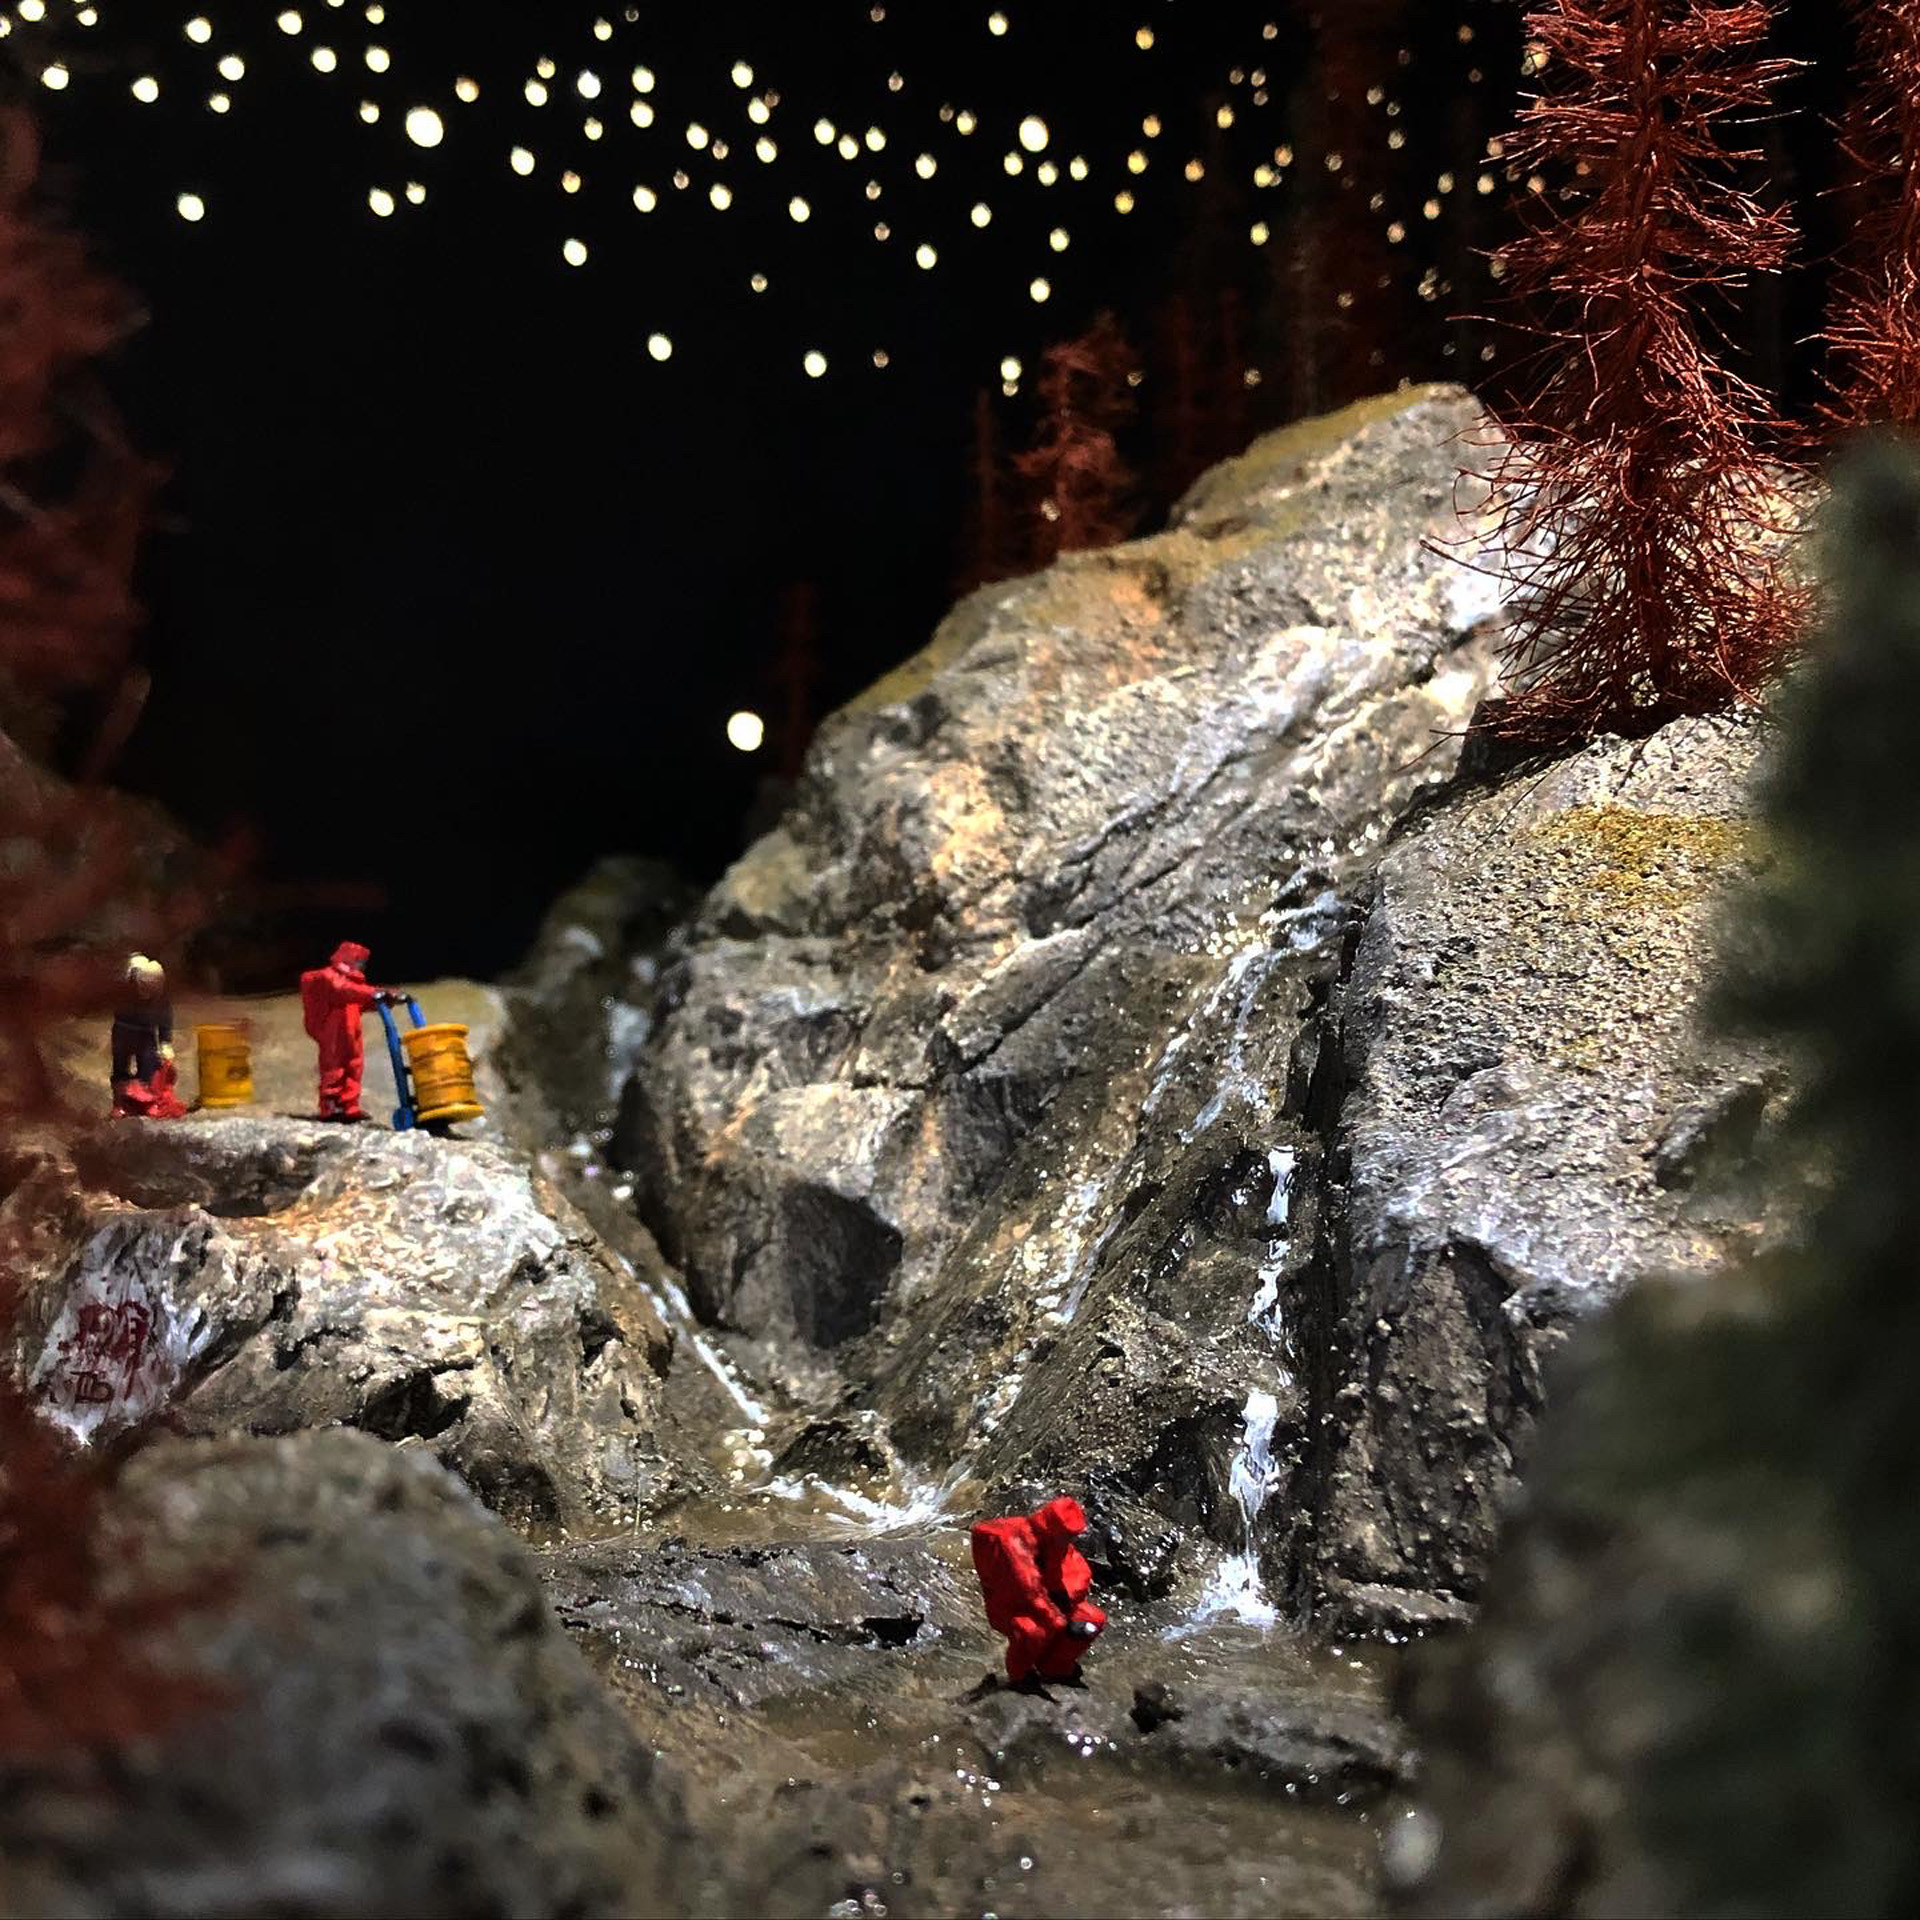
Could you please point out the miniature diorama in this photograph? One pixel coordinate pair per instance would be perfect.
(1135, 1133)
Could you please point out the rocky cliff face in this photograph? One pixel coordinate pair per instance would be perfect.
(967, 1101)
(1521, 1118)
(1069, 1094)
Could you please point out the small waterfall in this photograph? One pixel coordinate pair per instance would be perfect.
(1248, 974)
(1265, 1311)
(1235, 1591)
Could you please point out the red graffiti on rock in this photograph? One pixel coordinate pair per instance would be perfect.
(108, 1347)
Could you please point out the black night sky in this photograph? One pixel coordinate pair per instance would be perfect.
(456, 585)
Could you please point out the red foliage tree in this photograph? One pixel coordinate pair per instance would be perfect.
(1874, 332)
(1081, 487)
(73, 499)
(1644, 518)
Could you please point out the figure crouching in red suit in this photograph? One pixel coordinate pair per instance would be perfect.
(1035, 1582)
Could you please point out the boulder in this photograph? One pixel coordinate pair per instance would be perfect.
(267, 1275)
(391, 1721)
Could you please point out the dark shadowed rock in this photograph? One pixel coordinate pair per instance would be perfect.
(1520, 1105)
(583, 999)
(395, 1722)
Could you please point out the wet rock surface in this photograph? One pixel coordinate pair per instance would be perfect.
(258, 1274)
(834, 1708)
(393, 1723)
(1136, 1068)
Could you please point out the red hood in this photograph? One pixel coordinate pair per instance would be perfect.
(1062, 1517)
(350, 956)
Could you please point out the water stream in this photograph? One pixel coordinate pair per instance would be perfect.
(1235, 1591)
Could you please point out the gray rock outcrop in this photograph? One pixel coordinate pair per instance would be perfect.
(968, 1095)
(1128, 1069)
(266, 1275)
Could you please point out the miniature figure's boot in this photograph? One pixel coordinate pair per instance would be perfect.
(132, 1100)
(165, 1100)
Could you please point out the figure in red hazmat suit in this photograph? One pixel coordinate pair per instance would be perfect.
(332, 997)
(1035, 1582)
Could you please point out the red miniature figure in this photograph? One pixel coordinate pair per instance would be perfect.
(142, 1075)
(1035, 1582)
(331, 997)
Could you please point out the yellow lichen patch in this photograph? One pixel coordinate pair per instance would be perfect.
(1650, 858)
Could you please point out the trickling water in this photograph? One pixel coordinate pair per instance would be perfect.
(1249, 971)
(1235, 1589)
(1265, 1311)
(677, 1308)
(921, 1504)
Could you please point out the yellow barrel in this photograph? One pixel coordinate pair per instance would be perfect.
(226, 1066)
(442, 1075)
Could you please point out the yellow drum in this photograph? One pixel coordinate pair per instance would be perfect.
(442, 1074)
(226, 1066)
